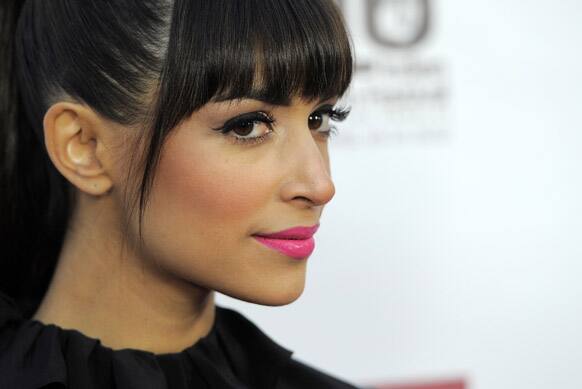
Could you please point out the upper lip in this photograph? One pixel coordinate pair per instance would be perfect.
(293, 233)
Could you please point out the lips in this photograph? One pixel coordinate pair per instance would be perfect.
(293, 233)
(297, 242)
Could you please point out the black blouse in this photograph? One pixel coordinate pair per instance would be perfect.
(234, 354)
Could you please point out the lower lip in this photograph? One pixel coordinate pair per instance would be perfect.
(294, 248)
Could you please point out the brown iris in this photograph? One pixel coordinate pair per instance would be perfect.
(244, 128)
(315, 121)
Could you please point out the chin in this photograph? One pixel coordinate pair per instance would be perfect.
(274, 294)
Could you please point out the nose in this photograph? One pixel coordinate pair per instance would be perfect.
(308, 182)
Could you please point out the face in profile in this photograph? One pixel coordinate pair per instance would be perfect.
(234, 170)
(239, 120)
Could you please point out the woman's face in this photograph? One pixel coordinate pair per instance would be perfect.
(212, 193)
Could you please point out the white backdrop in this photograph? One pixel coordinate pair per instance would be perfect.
(453, 245)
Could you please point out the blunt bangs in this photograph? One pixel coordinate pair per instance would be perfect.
(270, 50)
(286, 48)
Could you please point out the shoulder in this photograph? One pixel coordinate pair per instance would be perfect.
(10, 319)
(297, 374)
(291, 372)
(8, 310)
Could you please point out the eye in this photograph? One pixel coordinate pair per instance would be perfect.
(246, 128)
(319, 120)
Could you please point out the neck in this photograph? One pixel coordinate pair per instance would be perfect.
(119, 298)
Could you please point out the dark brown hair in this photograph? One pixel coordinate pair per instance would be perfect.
(149, 63)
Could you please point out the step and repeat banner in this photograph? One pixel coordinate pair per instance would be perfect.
(451, 255)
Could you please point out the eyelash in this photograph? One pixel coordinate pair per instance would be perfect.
(335, 114)
(252, 117)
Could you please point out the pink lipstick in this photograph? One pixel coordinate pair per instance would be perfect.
(297, 242)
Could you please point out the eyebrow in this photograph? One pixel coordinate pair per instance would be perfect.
(265, 97)
(258, 95)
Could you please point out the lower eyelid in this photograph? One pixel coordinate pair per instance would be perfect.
(251, 141)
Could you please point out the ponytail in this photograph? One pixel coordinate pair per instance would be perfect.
(34, 205)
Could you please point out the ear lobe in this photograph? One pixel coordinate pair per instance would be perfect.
(73, 142)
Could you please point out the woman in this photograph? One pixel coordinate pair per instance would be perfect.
(155, 152)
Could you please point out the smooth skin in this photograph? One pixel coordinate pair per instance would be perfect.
(209, 197)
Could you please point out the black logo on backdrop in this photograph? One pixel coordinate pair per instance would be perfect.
(404, 88)
(395, 23)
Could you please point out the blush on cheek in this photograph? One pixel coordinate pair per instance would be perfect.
(198, 181)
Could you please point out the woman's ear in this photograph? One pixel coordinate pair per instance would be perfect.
(75, 140)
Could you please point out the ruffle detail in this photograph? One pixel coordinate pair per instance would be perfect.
(235, 354)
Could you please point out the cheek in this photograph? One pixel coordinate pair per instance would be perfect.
(205, 186)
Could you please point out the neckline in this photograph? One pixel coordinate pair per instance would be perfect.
(253, 356)
(218, 310)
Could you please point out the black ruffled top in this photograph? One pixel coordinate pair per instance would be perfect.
(234, 354)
